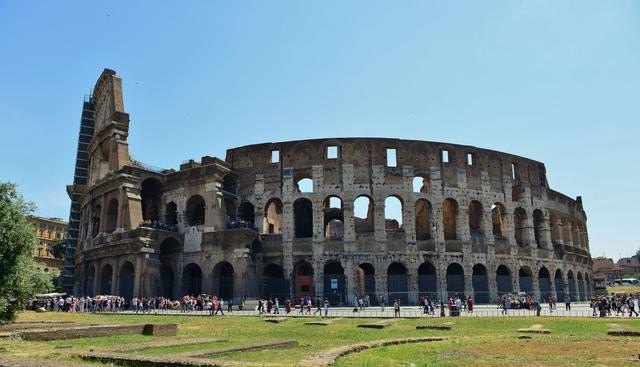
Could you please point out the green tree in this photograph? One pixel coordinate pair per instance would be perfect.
(57, 249)
(19, 281)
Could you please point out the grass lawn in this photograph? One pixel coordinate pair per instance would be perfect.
(472, 341)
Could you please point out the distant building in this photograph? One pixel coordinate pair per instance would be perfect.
(606, 268)
(48, 231)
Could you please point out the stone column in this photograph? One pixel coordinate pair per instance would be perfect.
(139, 270)
(318, 272)
(318, 220)
(349, 222)
(487, 225)
(409, 221)
(380, 233)
(535, 283)
(288, 230)
(412, 282)
(462, 224)
(115, 278)
(546, 234)
(350, 279)
(491, 278)
(552, 288)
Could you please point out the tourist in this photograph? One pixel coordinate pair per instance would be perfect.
(276, 307)
(318, 306)
(396, 308)
(469, 304)
(326, 307)
(567, 303)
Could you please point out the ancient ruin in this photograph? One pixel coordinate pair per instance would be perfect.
(335, 218)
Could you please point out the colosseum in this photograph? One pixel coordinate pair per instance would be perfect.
(337, 217)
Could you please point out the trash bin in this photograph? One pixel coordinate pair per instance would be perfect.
(454, 311)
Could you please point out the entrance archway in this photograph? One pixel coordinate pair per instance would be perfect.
(303, 281)
(480, 284)
(273, 282)
(397, 286)
(559, 282)
(192, 279)
(224, 274)
(455, 280)
(427, 280)
(526, 280)
(366, 282)
(544, 282)
(334, 283)
(106, 277)
(503, 280)
(127, 275)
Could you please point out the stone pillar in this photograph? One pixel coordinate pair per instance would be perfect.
(441, 274)
(318, 219)
(412, 282)
(96, 279)
(288, 229)
(409, 221)
(527, 232)
(318, 272)
(115, 279)
(177, 279)
(103, 215)
(139, 270)
(462, 224)
(379, 224)
(546, 234)
(487, 225)
(552, 288)
(491, 277)
(349, 234)
(350, 279)
(535, 283)
(381, 282)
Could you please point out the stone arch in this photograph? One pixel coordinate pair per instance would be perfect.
(106, 278)
(397, 283)
(455, 280)
(366, 282)
(230, 208)
(480, 284)
(573, 291)
(304, 185)
(559, 283)
(170, 246)
(587, 283)
(476, 220)
(363, 214)
(171, 214)
(334, 282)
(393, 209)
(90, 278)
(303, 284)
(499, 220)
(544, 283)
(538, 228)
(195, 211)
(224, 274)
(192, 279)
(423, 220)
(126, 280)
(428, 280)
(151, 191)
(420, 184)
(246, 213)
(230, 183)
(167, 279)
(273, 282)
(273, 216)
(112, 216)
(520, 225)
(449, 219)
(333, 217)
(303, 218)
(525, 278)
(503, 280)
(580, 295)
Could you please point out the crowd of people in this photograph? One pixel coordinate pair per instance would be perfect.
(158, 225)
(604, 306)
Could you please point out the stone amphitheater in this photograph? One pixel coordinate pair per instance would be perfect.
(337, 218)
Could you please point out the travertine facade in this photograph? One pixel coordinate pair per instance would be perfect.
(334, 217)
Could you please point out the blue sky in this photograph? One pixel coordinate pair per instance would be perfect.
(555, 81)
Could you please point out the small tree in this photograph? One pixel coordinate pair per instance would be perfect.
(19, 281)
(57, 249)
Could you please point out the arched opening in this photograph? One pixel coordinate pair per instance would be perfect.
(166, 277)
(246, 212)
(273, 216)
(455, 280)
(192, 279)
(223, 272)
(480, 284)
(449, 215)
(476, 221)
(303, 280)
(526, 281)
(112, 216)
(151, 193)
(90, 277)
(587, 283)
(195, 211)
(397, 284)
(363, 214)
(538, 228)
(304, 185)
(230, 207)
(334, 283)
(559, 283)
(499, 220)
(423, 220)
(366, 282)
(520, 225)
(503, 280)
(171, 214)
(170, 246)
(420, 184)
(95, 220)
(544, 282)
(333, 218)
(580, 295)
(230, 183)
(392, 214)
(573, 292)
(273, 282)
(127, 276)
(303, 218)
(427, 280)
(106, 277)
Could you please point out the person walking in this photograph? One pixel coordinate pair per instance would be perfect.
(318, 306)
(326, 307)
(396, 308)
(567, 303)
